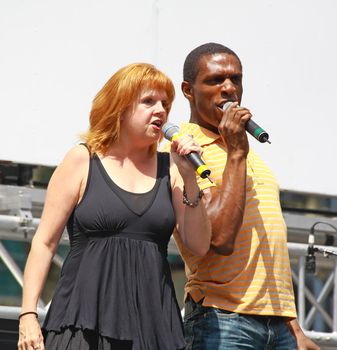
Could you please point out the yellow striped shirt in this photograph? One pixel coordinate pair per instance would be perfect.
(256, 278)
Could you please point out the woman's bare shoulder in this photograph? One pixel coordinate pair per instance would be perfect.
(78, 154)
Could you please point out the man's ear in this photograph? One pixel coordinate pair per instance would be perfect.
(187, 90)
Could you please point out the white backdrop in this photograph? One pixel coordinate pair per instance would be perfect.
(56, 55)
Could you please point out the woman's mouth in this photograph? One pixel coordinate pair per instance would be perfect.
(157, 124)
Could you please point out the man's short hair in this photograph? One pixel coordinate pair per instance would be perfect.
(191, 67)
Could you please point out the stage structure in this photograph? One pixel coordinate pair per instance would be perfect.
(314, 271)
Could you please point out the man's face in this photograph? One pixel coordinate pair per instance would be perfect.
(219, 80)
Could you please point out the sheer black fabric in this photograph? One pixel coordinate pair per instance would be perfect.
(75, 339)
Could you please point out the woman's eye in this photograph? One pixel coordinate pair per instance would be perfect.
(148, 101)
(165, 104)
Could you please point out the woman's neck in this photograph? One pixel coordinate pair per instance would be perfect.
(119, 151)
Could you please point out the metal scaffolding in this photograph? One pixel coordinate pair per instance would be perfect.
(19, 217)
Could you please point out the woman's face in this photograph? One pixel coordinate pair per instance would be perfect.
(143, 121)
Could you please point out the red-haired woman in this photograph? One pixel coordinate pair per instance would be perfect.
(120, 200)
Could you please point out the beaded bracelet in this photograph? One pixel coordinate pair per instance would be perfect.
(27, 313)
(188, 202)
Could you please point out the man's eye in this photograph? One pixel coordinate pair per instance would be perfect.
(215, 81)
(237, 79)
(218, 80)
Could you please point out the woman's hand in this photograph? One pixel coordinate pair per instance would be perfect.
(30, 335)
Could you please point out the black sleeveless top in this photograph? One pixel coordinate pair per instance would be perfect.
(116, 279)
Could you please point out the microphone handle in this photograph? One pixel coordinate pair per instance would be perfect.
(252, 128)
(200, 167)
(171, 132)
(257, 132)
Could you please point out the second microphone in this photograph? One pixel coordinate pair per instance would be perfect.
(252, 128)
(171, 132)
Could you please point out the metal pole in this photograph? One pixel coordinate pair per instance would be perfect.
(324, 293)
(13, 223)
(11, 264)
(300, 292)
(334, 316)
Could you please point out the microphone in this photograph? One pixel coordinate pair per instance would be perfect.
(254, 129)
(171, 132)
(310, 259)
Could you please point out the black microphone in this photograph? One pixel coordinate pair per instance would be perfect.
(254, 129)
(171, 132)
(310, 259)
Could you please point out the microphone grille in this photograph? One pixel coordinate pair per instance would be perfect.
(226, 105)
(169, 129)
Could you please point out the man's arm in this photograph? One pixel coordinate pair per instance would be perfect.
(225, 205)
(303, 342)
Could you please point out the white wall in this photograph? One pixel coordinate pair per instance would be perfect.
(56, 55)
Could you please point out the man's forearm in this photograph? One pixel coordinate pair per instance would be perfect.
(225, 206)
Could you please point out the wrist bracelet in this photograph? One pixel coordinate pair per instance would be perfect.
(27, 313)
(188, 202)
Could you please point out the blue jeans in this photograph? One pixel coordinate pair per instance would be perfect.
(208, 328)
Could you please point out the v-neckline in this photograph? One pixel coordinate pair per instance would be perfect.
(117, 189)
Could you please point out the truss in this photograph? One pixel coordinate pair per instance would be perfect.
(20, 209)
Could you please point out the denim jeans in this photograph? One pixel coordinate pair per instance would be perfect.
(208, 328)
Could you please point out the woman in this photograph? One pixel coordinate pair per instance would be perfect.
(120, 200)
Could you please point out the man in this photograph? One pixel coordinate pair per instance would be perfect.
(240, 295)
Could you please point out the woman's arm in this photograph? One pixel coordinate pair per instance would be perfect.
(64, 191)
(192, 222)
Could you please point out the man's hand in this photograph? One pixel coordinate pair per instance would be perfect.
(303, 342)
(232, 129)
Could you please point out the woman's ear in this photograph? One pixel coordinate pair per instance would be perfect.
(187, 90)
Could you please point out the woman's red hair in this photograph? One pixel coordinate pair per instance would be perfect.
(119, 93)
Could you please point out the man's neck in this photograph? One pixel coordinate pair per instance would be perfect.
(204, 125)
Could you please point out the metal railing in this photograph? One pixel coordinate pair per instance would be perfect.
(19, 225)
(305, 296)
(310, 305)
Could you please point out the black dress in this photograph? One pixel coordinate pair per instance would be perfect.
(115, 290)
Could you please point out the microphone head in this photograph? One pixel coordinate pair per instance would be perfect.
(226, 105)
(169, 130)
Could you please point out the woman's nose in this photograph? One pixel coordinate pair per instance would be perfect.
(159, 107)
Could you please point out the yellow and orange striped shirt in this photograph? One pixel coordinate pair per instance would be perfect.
(256, 278)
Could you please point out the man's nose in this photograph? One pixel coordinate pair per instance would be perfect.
(228, 87)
